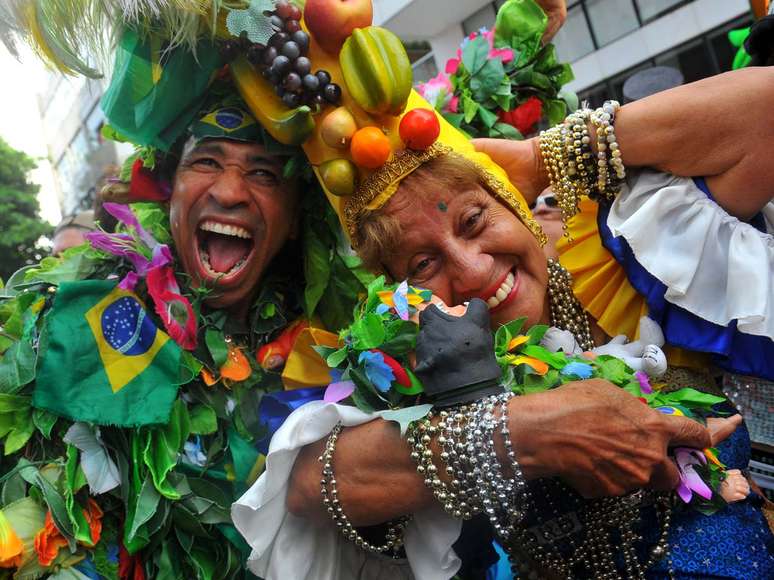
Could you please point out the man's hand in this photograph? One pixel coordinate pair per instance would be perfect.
(521, 160)
(601, 440)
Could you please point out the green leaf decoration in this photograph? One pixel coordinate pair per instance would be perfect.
(147, 502)
(505, 131)
(536, 333)
(203, 420)
(406, 416)
(44, 421)
(488, 118)
(612, 369)
(555, 110)
(216, 344)
(520, 24)
(487, 80)
(17, 367)
(56, 504)
(556, 360)
(337, 357)
(570, 99)
(469, 108)
(252, 22)
(161, 448)
(368, 332)
(475, 55)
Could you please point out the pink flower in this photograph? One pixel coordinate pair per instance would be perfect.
(174, 309)
(454, 105)
(438, 91)
(504, 54)
(454, 63)
(690, 481)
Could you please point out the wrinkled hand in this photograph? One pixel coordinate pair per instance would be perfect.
(601, 440)
(522, 162)
(556, 10)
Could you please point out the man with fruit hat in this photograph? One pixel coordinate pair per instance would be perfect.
(141, 413)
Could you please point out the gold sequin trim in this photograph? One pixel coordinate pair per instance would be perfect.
(387, 176)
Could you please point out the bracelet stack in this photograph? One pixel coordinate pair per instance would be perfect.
(570, 162)
(478, 484)
(330, 497)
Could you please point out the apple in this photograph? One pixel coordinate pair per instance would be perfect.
(337, 128)
(332, 21)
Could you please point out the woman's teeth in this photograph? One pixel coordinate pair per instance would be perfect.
(502, 292)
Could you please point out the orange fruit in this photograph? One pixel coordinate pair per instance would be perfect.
(370, 147)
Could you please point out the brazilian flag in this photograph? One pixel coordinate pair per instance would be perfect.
(106, 361)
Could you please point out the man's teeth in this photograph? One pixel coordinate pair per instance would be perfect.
(502, 292)
(208, 268)
(226, 230)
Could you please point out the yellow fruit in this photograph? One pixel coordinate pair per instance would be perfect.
(337, 128)
(288, 126)
(377, 70)
(339, 176)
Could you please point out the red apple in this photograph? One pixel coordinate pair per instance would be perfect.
(332, 21)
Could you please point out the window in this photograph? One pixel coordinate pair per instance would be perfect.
(652, 9)
(424, 69)
(693, 60)
(574, 38)
(483, 18)
(611, 19)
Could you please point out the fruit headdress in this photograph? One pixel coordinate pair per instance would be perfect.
(382, 130)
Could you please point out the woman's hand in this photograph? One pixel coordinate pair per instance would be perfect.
(598, 438)
(602, 440)
(521, 160)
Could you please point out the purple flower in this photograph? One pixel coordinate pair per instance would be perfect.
(125, 215)
(338, 391)
(377, 371)
(644, 381)
(690, 481)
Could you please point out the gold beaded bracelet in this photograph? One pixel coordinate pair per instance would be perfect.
(570, 164)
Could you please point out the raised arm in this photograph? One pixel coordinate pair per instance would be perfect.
(599, 439)
(720, 128)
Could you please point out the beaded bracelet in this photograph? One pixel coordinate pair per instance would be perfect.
(570, 164)
(477, 481)
(330, 498)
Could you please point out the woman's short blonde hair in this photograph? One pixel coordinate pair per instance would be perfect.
(380, 233)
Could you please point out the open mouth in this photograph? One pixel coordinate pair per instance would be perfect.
(224, 249)
(506, 292)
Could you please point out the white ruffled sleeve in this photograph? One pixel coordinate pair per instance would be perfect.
(287, 547)
(713, 265)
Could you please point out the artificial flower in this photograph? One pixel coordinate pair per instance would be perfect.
(338, 391)
(174, 309)
(578, 369)
(376, 370)
(192, 450)
(11, 547)
(400, 300)
(439, 92)
(709, 453)
(208, 378)
(100, 470)
(670, 410)
(690, 481)
(48, 542)
(145, 186)
(644, 381)
(236, 367)
(93, 514)
(538, 366)
(504, 54)
(517, 341)
(129, 567)
(525, 116)
(401, 376)
(272, 355)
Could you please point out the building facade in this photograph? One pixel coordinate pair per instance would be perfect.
(605, 40)
(80, 156)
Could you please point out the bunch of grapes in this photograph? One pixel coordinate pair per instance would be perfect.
(284, 61)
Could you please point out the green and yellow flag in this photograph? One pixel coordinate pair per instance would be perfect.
(105, 362)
